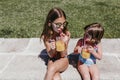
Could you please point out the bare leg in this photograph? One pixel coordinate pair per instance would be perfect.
(95, 75)
(84, 71)
(48, 71)
(57, 76)
(55, 67)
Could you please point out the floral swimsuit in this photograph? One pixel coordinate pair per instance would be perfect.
(89, 61)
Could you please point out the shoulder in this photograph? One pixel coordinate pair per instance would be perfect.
(80, 42)
(81, 39)
(99, 45)
(43, 37)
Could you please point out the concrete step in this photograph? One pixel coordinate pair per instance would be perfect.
(24, 59)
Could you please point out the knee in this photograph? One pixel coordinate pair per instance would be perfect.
(57, 78)
(51, 69)
(95, 77)
(86, 77)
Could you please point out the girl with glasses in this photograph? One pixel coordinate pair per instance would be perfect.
(56, 37)
(89, 49)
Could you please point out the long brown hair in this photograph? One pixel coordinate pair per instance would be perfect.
(53, 14)
(95, 31)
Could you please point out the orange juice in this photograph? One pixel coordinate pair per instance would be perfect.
(60, 45)
(85, 54)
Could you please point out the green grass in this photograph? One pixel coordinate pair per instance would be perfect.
(25, 18)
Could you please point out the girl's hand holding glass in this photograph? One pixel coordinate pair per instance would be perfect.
(85, 53)
(60, 44)
(64, 37)
(91, 49)
(79, 49)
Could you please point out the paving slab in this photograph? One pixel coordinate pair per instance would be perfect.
(24, 59)
(24, 68)
(109, 68)
(31, 67)
(13, 44)
(4, 61)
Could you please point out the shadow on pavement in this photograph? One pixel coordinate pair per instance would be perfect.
(44, 56)
(73, 59)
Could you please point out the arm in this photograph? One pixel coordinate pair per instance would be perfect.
(65, 37)
(78, 47)
(50, 48)
(97, 54)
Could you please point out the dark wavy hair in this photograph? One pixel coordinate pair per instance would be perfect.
(95, 31)
(53, 14)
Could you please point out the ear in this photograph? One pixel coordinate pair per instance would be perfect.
(49, 24)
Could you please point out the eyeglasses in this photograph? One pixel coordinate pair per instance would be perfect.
(58, 25)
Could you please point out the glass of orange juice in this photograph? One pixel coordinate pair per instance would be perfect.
(60, 45)
(85, 53)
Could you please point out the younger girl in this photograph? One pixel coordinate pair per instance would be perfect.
(56, 37)
(89, 48)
